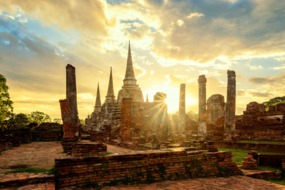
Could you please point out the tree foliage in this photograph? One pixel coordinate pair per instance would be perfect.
(274, 101)
(6, 108)
(39, 117)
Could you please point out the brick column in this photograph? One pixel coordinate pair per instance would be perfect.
(202, 127)
(71, 94)
(202, 96)
(229, 126)
(182, 122)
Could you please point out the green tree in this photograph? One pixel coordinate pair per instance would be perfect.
(6, 108)
(39, 117)
(21, 119)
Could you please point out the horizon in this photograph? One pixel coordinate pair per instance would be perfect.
(172, 42)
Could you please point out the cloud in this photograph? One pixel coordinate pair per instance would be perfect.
(268, 80)
(261, 94)
(195, 15)
(66, 14)
(231, 29)
(255, 67)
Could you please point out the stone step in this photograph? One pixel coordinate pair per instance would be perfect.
(263, 174)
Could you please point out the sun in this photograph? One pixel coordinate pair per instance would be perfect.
(172, 98)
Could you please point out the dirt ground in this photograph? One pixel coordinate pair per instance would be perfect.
(42, 155)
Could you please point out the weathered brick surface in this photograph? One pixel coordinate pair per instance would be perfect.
(69, 127)
(88, 149)
(14, 137)
(67, 144)
(140, 168)
(47, 132)
(258, 124)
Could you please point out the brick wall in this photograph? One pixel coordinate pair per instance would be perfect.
(141, 168)
(88, 149)
(47, 132)
(10, 138)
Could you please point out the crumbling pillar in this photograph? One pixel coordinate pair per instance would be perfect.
(182, 122)
(69, 113)
(229, 126)
(202, 128)
(71, 94)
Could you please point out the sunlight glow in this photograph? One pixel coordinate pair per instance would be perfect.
(172, 99)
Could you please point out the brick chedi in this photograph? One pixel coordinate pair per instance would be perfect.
(229, 126)
(105, 119)
(130, 88)
(128, 121)
(215, 108)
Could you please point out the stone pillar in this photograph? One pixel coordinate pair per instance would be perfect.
(229, 127)
(202, 97)
(182, 122)
(69, 113)
(71, 92)
(202, 129)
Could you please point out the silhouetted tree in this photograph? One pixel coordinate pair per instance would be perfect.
(6, 108)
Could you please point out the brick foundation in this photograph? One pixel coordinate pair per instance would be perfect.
(141, 168)
(85, 149)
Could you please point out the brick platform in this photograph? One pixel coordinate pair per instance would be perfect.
(142, 168)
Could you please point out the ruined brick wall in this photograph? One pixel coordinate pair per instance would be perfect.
(142, 168)
(143, 119)
(258, 124)
(14, 137)
(86, 149)
(47, 132)
(125, 127)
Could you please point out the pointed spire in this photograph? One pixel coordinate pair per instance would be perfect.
(98, 100)
(146, 98)
(130, 75)
(110, 94)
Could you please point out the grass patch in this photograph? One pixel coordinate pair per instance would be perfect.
(32, 170)
(261, 142)
(266, 168)
(238, 154)
(280, 182)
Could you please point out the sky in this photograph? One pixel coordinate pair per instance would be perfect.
(172, 42)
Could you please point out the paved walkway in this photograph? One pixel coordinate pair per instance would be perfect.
(42, 155)
(219, 183)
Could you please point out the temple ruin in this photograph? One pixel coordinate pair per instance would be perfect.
(261, 123)
(128, 121)
(217, 117)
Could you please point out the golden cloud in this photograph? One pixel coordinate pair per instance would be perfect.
(68, 14)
